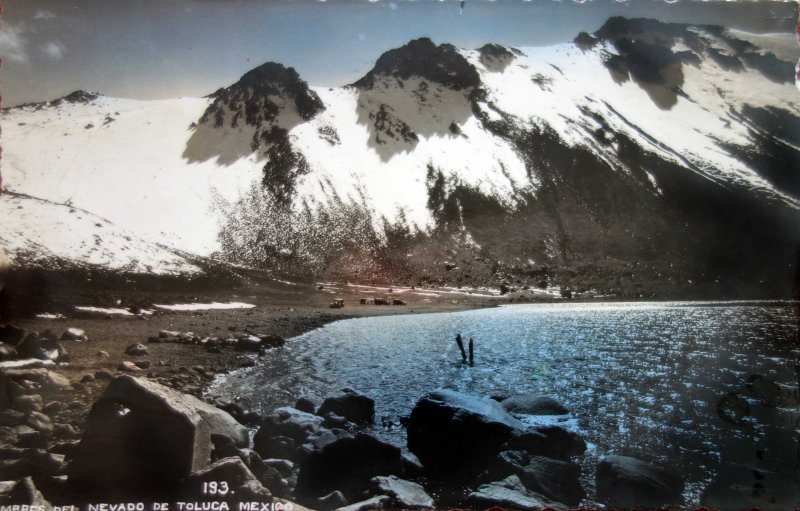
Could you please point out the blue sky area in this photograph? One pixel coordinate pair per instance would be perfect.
(149, 49)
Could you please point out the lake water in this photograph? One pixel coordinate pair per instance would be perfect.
(640, 379)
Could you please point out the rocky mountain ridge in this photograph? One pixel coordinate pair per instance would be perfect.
(646, 156)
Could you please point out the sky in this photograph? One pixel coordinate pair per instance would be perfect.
(158, 49)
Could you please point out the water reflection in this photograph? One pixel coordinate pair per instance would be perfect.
(705, 388)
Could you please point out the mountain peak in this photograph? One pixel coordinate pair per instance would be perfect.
(255, 94)
(78, 96)
(423, 58)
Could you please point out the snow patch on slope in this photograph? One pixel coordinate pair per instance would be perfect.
(353, 170)
(553, 85)
(123, 160)
(40, 231)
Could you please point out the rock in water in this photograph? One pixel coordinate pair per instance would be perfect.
(142, 435)
(509, 493)
(351, 405)
(623, 481)
(532, 404)
(454, 434)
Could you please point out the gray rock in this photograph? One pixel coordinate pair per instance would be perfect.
(285, 467)
(128, 367)
(277, 446)
(332, 500)
(102, 374)
(136, 350)
(31, 347)
(406, 495)
(29, 403)
(351, 405)
(290, 423)
(308, 404)
(555, 479)
(455, 434)
(40, 422)
(11, 334)
(272, 341)
(53, 407)
(377, 502)
(140, 434)
(347, 465)
(623, 481)
(231, 471)
(7, 352)
(249, 343)
(532, 404)
(25, 493)
(509, 493)
(74, 334)
(548, 441)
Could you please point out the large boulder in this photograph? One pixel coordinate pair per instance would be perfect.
(509, 493)
(142, 435)
(623, 481)
(533, 404)
(454, 434)
(347, 464)
(351, 405)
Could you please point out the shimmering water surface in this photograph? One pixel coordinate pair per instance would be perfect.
(640, 379)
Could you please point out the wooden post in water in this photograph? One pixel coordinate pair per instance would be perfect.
(461, 347)
(471, 351)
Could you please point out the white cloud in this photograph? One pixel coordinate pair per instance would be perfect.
(12, 43)
(41, 14)
(54, 49)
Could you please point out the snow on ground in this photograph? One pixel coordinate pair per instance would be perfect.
(354, 168)
(204, 306)
(111, 311)
(36, 230)
(123, 160)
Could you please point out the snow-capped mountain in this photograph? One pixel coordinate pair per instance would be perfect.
(645, 152)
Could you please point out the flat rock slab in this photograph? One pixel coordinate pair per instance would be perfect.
(510, 493)
(377, 502)
(406, 494)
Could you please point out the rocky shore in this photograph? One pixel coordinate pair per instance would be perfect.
(144, 443)
(120, 418)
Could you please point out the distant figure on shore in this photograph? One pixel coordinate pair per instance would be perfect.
(461, 347)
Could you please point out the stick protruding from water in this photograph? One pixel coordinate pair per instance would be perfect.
(461, 347)
(471, 351)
